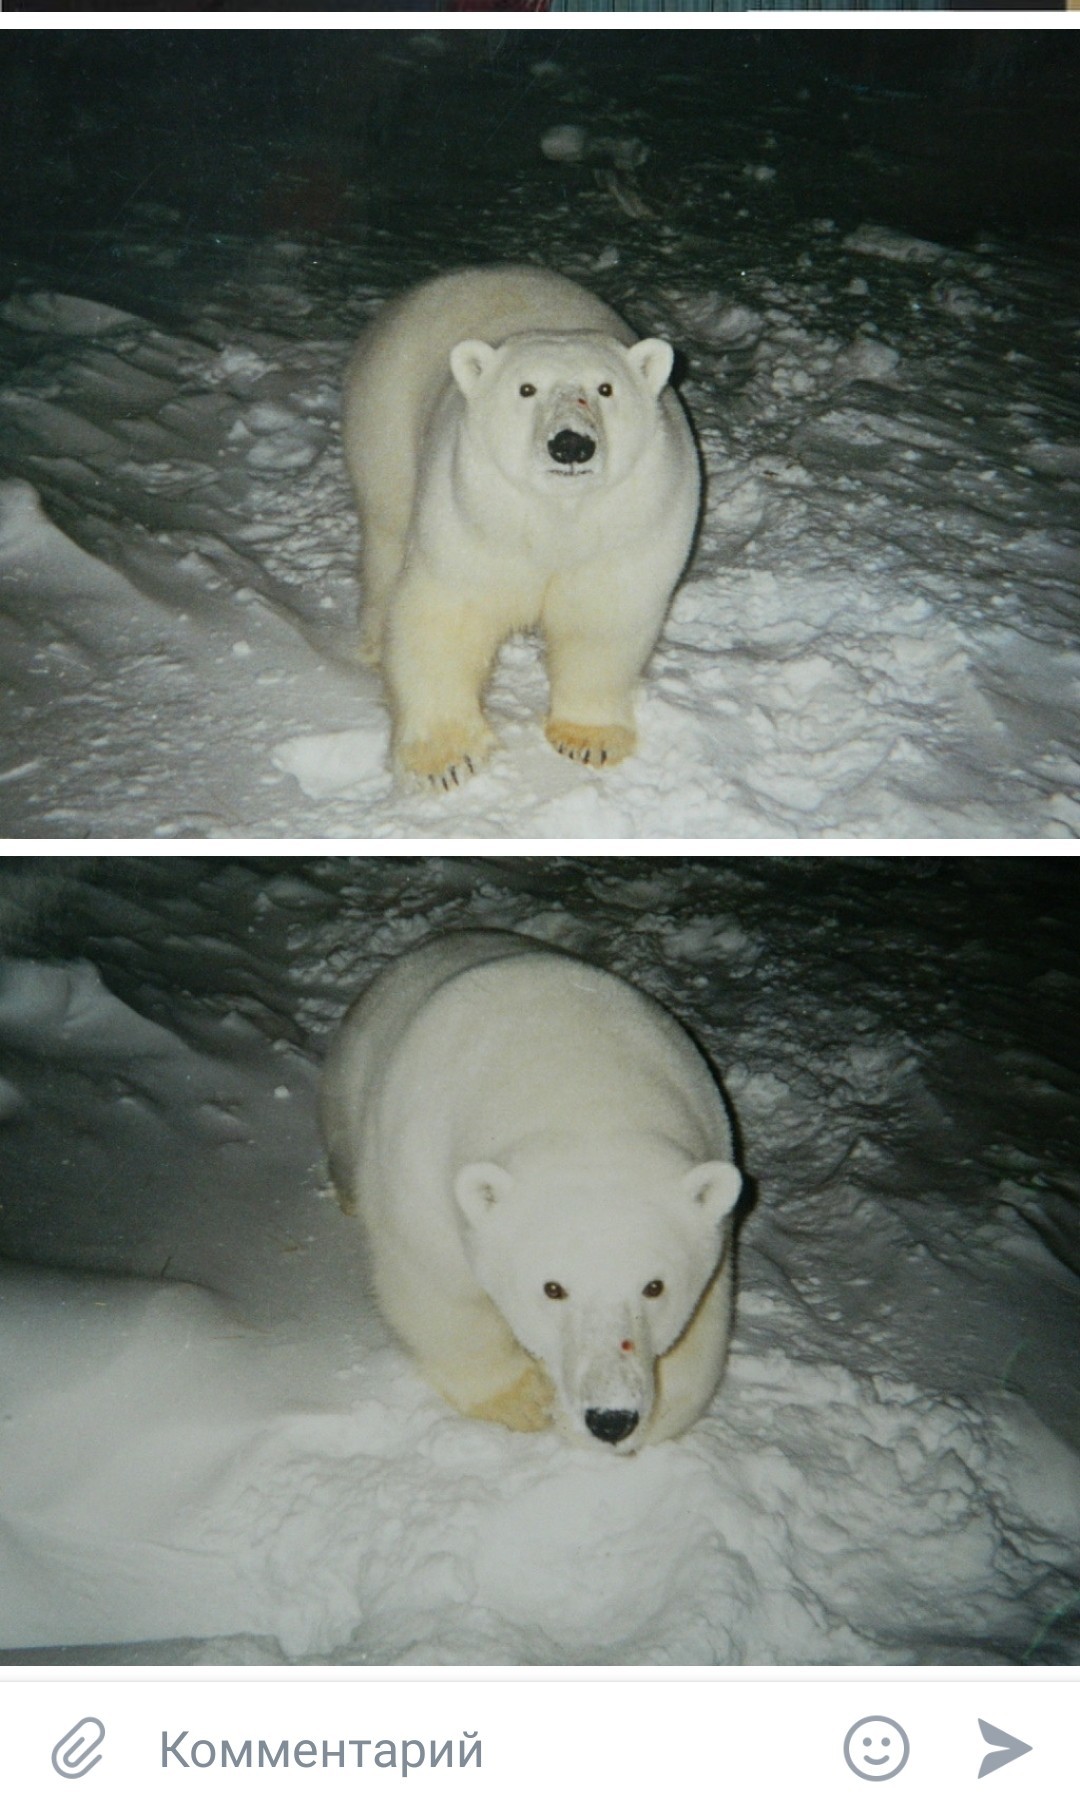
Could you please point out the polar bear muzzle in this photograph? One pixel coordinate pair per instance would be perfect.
(570, 434)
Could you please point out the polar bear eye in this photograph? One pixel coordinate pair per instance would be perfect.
(553, 1289)
(653, 1289)
(527, 390)
(606, 390)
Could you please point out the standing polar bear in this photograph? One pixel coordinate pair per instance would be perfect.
(518, 459)
(543, 1162)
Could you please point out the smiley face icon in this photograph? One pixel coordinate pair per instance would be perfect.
(876, 1748)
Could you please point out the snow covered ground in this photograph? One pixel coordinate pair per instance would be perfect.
(210, 1450)
(866, 254)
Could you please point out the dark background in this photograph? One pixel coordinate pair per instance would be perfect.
(936, 133)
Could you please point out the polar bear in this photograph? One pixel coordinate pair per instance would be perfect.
(543, 1162)
(519, 460)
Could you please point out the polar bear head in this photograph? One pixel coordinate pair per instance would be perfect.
(561, 411)
(597, 1266)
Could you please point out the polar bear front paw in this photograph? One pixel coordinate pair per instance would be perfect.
(597, 745)
(525, 1406)
(447, 757)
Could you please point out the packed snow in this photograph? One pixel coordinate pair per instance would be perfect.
(866, 256)
(211, 1450)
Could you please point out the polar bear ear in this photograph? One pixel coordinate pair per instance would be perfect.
(652, 360)
(716, 1187)
(481, 1188)
(469, 360)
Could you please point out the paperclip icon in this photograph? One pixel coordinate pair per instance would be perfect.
(78, 1752)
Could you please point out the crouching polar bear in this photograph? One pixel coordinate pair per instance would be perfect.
(543, 1162)
(518, 460)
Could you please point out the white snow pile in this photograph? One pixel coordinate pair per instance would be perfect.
(210, 1448)
(877, 634)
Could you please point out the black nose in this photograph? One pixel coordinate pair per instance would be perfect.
(610, 1427)
(571, 449)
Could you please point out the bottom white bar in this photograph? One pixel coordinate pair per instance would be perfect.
(620, 1742)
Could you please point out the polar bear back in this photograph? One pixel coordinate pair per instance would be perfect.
(402, 361)
(368, 1038)
(477, 1044)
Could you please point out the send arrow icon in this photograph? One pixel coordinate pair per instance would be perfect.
(1010, 1748)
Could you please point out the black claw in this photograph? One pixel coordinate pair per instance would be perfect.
(469, 760)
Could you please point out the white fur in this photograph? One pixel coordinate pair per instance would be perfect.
(471, 529)
(503, 1116)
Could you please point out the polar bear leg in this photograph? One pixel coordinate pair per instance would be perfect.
(689, 1374)
(599, 637)
(438, 655)
(591, 715)
(460, 1343)
(525, 1406)
(382, 555)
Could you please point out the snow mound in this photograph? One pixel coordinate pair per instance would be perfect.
(48, 312)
